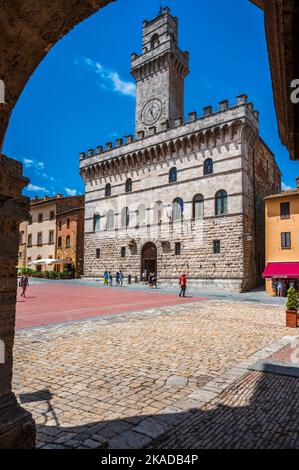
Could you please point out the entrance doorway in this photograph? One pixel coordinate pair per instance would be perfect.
(149, 259)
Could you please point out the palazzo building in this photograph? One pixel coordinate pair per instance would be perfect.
(181, 195)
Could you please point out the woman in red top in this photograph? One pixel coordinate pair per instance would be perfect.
(183, 284)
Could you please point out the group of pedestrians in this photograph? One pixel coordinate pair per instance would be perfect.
(108, 278)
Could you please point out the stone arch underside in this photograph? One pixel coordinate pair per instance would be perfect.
(29, 28)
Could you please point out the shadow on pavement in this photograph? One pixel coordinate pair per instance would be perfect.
(258, 411)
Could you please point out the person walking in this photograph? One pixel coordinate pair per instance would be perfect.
(105, 278)
(279, 288)
(24, 283)
(183, 284)
(110, 279)
(121, 278)
(117, 278)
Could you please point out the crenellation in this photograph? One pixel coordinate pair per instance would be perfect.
(188, 191)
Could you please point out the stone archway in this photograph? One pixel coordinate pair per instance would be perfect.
(28, 31)
(149, 258)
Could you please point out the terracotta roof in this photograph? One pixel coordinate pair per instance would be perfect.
(290, 192)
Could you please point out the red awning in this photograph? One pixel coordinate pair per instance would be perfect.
(282, 270)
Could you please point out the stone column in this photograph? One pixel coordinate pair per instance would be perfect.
(17, 428)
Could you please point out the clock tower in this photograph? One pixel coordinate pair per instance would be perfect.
(159, 73)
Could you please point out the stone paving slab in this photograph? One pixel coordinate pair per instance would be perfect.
(93, 383)
(276, 367)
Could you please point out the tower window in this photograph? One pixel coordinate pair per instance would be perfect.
(123, 252)
(154, 40)
(128, 185)
(221, 203)
(177, 249)
(217, 247)
(173, 175)
(208, 167)
(98, 253)
(108, 190)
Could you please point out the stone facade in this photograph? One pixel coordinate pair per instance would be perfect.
(70, 237)
(16, 425)
(22, 257)
(193, 189)
(41, 229)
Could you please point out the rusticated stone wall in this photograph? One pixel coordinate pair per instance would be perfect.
(28, 30)
(16, 426)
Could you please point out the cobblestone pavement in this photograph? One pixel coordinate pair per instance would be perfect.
(125, 380)
(258, 411)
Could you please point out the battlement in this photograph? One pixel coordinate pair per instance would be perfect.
(208, 118)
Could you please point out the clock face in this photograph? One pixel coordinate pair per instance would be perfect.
(152, 111)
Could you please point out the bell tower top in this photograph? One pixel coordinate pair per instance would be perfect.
(159, 72)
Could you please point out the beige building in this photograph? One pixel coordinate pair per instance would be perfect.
(181, 195)
(42, 228)
(22, 257)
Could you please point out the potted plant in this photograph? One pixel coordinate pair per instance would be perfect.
(292, 308)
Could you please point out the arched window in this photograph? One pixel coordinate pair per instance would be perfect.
(198, 206)
(208, 167)
(177, 209)
(68, 241)
(96, 222)
(173, 175)
(125, 217)
(59, 242)
(128, 185)
(158, 212)
(221, 203)
(110, 220)
(108, 190)
(154, 40)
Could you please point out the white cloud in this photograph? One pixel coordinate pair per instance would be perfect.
(71, 192)
(31, 163)
(285, 187)
(109, 79)
(33, 187)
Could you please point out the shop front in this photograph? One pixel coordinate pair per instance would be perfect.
(280, 277)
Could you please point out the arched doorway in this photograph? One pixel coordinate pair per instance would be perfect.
(149, 259)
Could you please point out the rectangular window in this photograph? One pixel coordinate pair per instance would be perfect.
(285, 210)
(177, 249)
(123, 252)
(51, 236)
(59, 242)
(217, 247)
(40, 238)
(40, 217)
(29, 243)
(30, 219)
(68, 223)
(98, 253)
(52, 215)
(285, 240)
(21, 237)
(59, 225)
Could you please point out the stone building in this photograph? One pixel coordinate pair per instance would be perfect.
(70, 238)
(22, 257)
(41, 228)
(181, 195)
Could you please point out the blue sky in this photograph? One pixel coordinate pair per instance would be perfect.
(82, 94)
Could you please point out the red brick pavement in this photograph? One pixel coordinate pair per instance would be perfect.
(54, 303)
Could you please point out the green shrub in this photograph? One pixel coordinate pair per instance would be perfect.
(292, 300)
